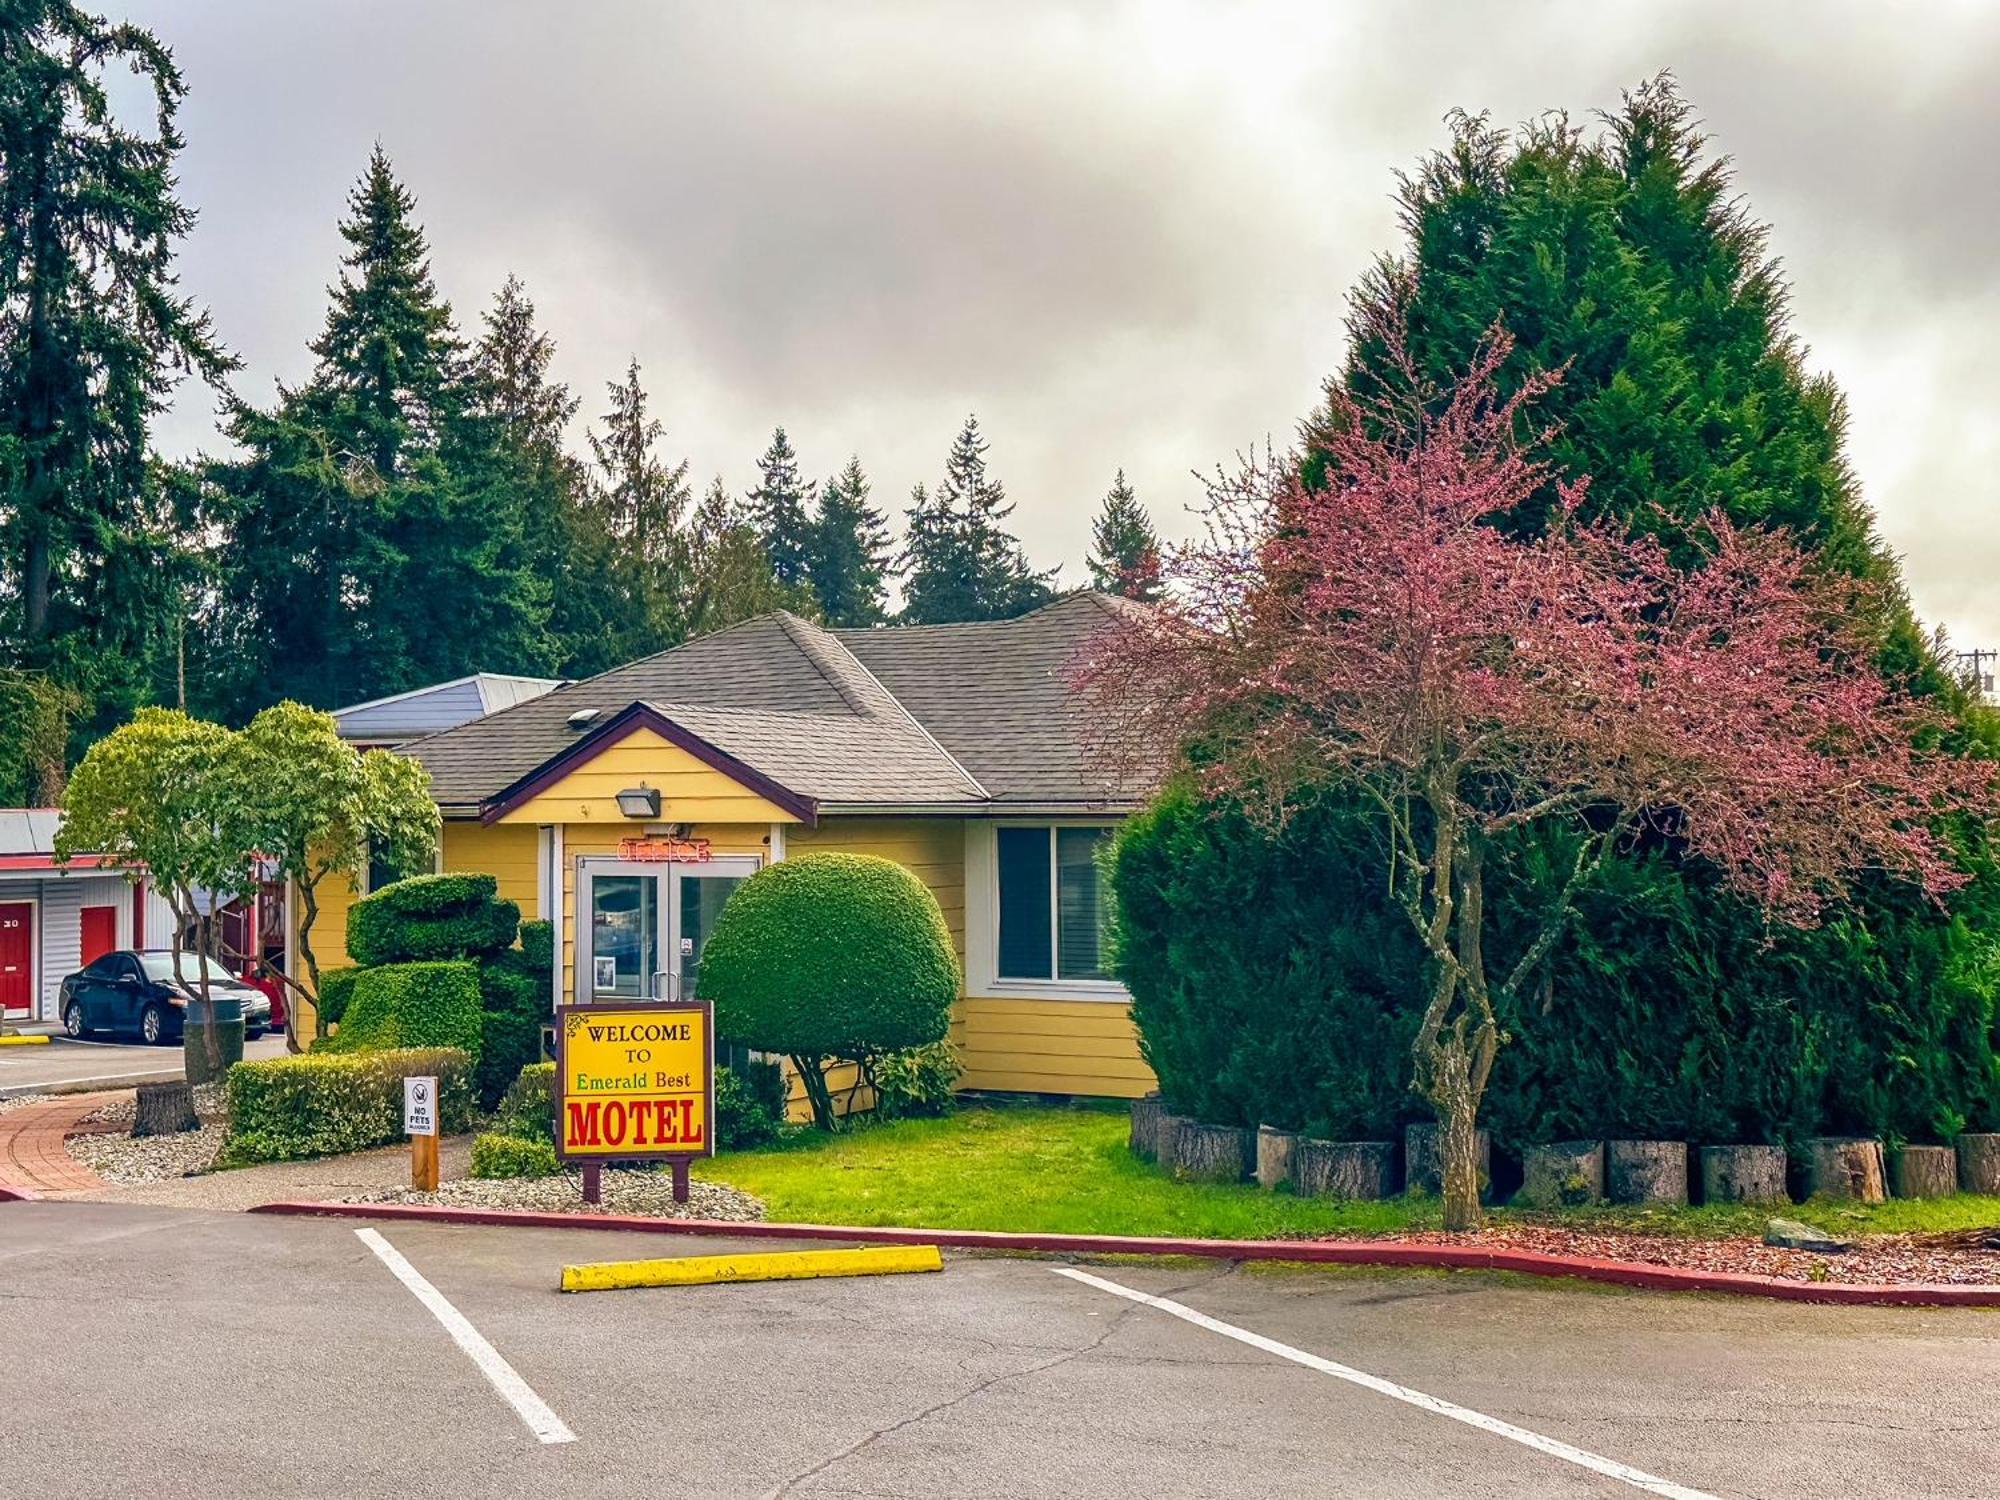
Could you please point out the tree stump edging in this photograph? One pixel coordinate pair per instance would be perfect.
(1743, 1174)
(1167, 1137)
(1423, 1159)
(1361, 1171)
(1979, 1164)
(1924, 1172)
(1846, 1166)
(1646, 1171)
(1562, 1174)
(1145, 1137)
(1276, 1150)
(1214, 1153)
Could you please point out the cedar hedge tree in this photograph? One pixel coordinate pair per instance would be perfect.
(412, 1005)
(831, 956)
(291, 1108)
(431, 916)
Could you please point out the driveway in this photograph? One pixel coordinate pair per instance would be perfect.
(112, 1064)
(245, 1355)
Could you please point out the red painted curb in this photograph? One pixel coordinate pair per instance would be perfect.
(17, 1195)
(1328, 1252)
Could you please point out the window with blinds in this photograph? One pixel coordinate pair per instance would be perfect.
(1053, 910)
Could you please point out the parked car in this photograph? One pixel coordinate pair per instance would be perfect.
(128, 990)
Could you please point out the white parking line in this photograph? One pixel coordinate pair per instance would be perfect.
(1608, 1467)
(517, 1393)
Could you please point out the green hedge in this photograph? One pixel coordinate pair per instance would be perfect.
(336, 990)
(291, 1108)
(512, 1156)
(431, 917)
(538, 944)
(412, 1005)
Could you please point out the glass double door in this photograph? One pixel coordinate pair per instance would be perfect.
(641, 927)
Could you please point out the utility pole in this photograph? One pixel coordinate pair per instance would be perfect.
(1972, 666)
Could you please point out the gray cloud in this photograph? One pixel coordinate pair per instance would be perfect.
(1122, 234)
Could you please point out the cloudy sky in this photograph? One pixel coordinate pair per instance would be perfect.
(1121, 233)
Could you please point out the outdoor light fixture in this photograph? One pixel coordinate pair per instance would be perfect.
(639, 801)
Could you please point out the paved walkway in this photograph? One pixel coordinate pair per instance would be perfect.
(32, 1154)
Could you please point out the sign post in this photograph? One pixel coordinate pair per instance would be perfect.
(420, 1123)
(635, 1083)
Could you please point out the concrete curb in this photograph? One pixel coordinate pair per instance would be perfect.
(1320, 1252)
(17, 1195)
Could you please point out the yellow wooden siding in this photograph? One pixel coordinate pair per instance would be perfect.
(691, 790)
(602, 839)
(510, 853)
(1007, 1046)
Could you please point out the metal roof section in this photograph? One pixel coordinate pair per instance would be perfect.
(28, 841)
(442, 705)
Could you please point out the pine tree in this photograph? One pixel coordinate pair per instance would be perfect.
(94, 337)
(732, 578)
(1124, 548)
(778, 509)
(388, 351)
(962, 563)
(644, 504)
(375, 543)
(849, 563)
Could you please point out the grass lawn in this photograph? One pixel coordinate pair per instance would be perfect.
(1067, 1171)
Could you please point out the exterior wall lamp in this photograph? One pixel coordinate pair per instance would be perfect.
(639, 801)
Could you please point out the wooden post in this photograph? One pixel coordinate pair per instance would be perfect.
(680, 1179)
(424, 1163)
(593, 1182)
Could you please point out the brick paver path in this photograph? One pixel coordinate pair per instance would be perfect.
(32, 1154)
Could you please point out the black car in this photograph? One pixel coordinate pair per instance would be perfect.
(136, 991)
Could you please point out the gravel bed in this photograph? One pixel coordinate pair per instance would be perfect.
(625, 1192)
(157, 1158)
(1876, 1259)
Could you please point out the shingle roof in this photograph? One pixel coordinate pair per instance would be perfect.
(949, 716)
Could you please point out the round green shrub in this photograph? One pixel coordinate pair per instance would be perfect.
(528, 1109)
(745, 1115)
(841, 955)
(915, 1083)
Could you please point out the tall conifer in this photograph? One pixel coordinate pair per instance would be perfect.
(1124, 548)
(962, 563)
(849, 563)
(778, 509)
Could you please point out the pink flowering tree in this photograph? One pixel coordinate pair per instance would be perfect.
(1393, 633)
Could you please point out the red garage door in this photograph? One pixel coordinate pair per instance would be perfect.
(17, 956)
(100, 931)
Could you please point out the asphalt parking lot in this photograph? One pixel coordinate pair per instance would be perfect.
(62, 1063)
(181, 1351)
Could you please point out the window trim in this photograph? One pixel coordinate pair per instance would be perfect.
(982, 913)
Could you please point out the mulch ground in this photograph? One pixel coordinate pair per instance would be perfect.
(1877, 1260)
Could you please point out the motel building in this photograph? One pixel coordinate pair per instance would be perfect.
(625, 808)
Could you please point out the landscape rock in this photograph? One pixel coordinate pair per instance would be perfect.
(1790, 1234)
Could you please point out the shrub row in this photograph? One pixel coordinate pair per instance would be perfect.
(291, 1108)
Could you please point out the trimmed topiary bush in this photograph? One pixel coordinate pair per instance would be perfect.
(431, 917)
(336, 989)
(291, 1108)
(512, 1156)
(412, 1005)
(830, 955)
(514, 996)
(538, 944)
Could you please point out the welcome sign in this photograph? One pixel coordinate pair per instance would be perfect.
(635, 1083)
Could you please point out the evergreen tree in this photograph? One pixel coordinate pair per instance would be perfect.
(94, 336)
(569, 545)
(375, 543)
(778, 509)
(731, 573)
(644, 505)
(849, 562)
(962, 563)
(1124, 548)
